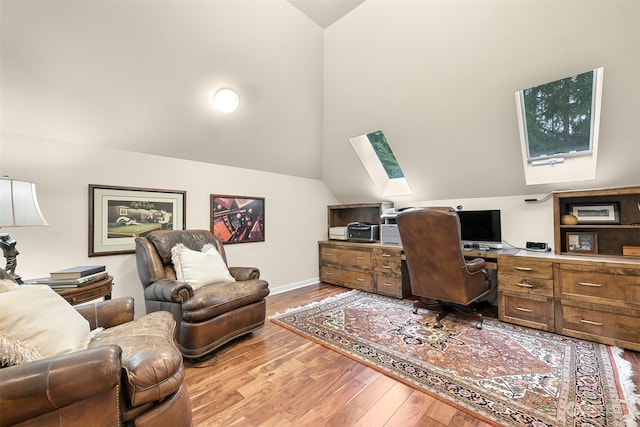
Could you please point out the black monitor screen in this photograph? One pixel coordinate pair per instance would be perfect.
(479, 227)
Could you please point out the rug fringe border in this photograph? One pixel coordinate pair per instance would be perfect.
(625, 379)
(313, 304)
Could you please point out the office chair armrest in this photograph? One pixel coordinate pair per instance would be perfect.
(475, 265)
(167, 290)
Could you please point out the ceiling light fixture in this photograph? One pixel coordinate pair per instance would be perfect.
(226, 100)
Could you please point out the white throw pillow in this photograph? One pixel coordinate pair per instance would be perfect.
(199, 268)
(35, 317)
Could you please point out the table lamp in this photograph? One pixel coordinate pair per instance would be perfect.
(18, 208)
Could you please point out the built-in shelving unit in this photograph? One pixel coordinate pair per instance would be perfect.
(342, 215)
(610, 238)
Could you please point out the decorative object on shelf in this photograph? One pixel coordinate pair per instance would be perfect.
(237, 219)
(582, 242)
(117, 215)
(606, 213)
(568, 219)
(18, 208)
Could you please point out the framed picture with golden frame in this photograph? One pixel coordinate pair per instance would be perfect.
(237, 219)
(117, 215)
(581, 242)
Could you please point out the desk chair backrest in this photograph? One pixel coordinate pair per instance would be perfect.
(437, 267)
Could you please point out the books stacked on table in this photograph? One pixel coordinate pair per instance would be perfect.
(74, 277)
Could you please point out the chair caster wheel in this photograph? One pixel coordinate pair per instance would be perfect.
(415, 310)
(479, 325)
(438, 325)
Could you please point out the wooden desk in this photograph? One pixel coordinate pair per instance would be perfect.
(81, 294)
(595, 298)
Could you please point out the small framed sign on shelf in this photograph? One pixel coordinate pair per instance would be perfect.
(606, 213)
(582, 242)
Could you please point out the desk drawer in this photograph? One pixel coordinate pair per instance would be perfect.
(388, 284)
(522, 266)
(596, 285)
(352, 278)
(387, 260)
(531, 310)
(529, 285)
(342, 256)
(611, 325)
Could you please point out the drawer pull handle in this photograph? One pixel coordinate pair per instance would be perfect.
(328, 254)
(360, 280)
(386, 255)
(388, 285)
(524, 268)
(593, 285)
(328, 273)
(359, 258)
(524, 285)
(591, 322)
(526, 310)
(386, 266)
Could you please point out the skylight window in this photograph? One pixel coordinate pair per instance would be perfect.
(558, 119)
(383, 168)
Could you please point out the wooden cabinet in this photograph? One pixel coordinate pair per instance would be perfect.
(599, 302)
(611, 232)
(525, 292)
(367, 267)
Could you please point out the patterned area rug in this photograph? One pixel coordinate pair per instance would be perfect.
(505, 374)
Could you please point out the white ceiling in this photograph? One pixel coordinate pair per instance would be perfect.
(325, 12)
(138, 76)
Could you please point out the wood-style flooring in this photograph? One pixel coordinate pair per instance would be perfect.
(278, 378)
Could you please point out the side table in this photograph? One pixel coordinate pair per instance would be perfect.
(98, 289)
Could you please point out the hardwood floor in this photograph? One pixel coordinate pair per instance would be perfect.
(278, 378)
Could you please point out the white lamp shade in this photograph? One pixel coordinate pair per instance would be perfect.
(226, 100)
(19, 204)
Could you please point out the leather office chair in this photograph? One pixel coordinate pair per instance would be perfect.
(213, 314)
(440, 276)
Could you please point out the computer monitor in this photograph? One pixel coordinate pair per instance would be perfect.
(481, 229)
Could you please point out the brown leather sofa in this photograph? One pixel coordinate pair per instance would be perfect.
(131, 376)
(210, 316)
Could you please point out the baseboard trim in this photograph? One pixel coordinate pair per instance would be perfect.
(292, 286)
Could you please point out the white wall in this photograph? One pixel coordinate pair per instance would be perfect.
(295, 209)
(521, 221)
(439, 77)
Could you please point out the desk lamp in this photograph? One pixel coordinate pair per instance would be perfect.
(18, 208)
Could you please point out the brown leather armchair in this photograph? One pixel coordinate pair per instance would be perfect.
(210, 316)
(440, 276)
(130, 377)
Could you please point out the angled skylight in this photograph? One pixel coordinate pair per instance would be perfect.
(383, 168)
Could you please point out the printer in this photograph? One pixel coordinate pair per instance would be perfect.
(389, 234)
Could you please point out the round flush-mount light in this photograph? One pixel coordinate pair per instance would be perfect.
(226, 100)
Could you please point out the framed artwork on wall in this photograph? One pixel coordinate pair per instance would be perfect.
(117, 215)
(237, 219)
(582, 242)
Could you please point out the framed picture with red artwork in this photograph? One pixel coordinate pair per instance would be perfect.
(237, 219)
